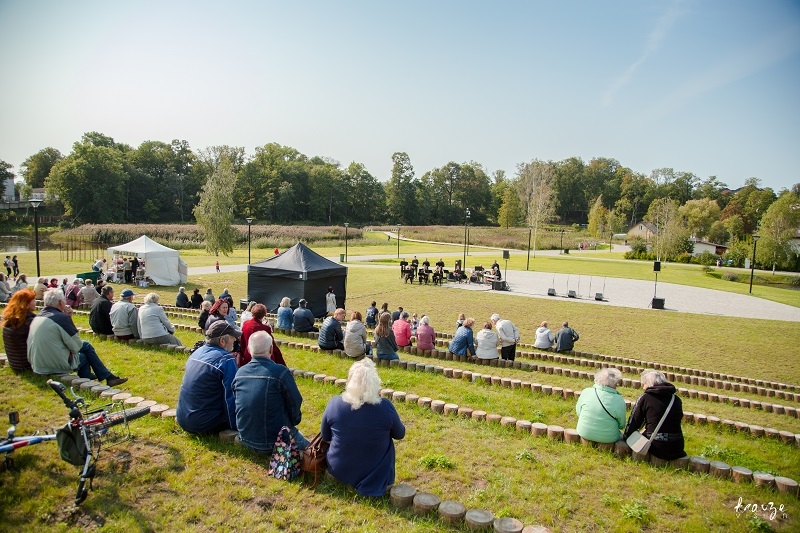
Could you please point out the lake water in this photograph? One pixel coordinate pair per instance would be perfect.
(11, 244)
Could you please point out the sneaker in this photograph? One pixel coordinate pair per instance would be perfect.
(113, 381)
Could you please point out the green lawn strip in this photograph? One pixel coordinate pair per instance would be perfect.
(175, 478)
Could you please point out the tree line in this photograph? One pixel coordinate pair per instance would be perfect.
(103, 181)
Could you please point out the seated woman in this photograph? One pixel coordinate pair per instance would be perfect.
(488, 341)
(601, 409)
(154, 326)
(496, 273)
(648, 410)
(457, 273)
(219, 311)
(205, 309)
(463, 343)
(5, 290)
(355, 337)
(257, 323)
(197, 299)
(360, 426)
(247, 314)
(385, 345)
(544, 337)
(182, 299)
(402, 330)
(426, 336)
(285, 314)
(16, 322)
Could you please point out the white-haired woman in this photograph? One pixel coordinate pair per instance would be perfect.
(601, 408)
(360, 426)
(154, 327)
(487, 342)
(544, 337)
(426, 336)
(247, 314)
(182, 299)
(648, 410)
(285, 314)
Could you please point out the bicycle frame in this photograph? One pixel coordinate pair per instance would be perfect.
(13, 442)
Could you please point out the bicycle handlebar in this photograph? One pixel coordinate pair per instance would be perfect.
(59, 389)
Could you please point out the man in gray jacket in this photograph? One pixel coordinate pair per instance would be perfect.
(509, 337)
(125, 317)
(54, 346)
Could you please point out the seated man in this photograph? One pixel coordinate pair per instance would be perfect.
(182, 299)
(267, 398)
(205, 403)
(496, 273)
(409, 275)
(457, 274)
(54, 346)
(125, 317)
(303, 318)
(438, 275)
(331, 336)
(423, 275)
(99, 316)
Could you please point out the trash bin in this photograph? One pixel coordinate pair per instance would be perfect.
(341, 258)
(566, 250)
(94, 276)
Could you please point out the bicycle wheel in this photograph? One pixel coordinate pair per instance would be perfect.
(119, 417)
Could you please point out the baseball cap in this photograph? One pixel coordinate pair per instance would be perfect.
(127, 293)
(221, 328)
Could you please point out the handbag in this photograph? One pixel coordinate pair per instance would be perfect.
(315, 458)
(641, 444)
(285, 461)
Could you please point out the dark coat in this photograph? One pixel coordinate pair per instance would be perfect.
(100, 316)
(647, 412)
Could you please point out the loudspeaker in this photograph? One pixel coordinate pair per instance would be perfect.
(506, 255)
(571, 294)
(656, 266)
(658, 303)
(551, 292)
(598, 296)
(498, 285)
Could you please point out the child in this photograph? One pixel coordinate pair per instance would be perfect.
(217, 267)
(414, 324)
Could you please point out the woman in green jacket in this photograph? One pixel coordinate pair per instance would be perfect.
(601, 409)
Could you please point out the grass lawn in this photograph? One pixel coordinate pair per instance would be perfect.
(166, 479)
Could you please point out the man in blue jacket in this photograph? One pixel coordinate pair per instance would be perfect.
(267, 398)
(206, 404)
(331, 336)
(303, 318)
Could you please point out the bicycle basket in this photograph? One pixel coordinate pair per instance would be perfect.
(71, 445)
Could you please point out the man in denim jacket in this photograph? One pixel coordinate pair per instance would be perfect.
(267, 398)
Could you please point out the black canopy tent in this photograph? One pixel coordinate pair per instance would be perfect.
(299, 272)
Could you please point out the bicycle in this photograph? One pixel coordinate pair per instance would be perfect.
(80, 440)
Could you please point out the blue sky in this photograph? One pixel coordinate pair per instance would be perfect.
(709, 87)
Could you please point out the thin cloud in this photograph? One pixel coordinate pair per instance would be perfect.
(654, 39)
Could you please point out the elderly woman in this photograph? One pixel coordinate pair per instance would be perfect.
(219, 311)
(256, 323)
(205, 309)
(355, 337)
(402, 330)
(73, 293)
(285, 314)
(154, 327)
(182, 299)
(487, 341)
(385, 345)
(426, 336)
(648, 410)
(209, 297)
(544, 337)
(247, 314)
(601, 409)
(360, 426)
(16, 322)
(463, 342)
(40, 287)
(5, 290)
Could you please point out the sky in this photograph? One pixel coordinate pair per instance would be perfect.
(710, 87)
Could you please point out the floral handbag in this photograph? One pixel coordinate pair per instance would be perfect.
(285, 461)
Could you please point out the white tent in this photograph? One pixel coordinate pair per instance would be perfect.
(163, 265)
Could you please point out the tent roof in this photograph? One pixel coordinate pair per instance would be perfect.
(142, 245)
(300, 258)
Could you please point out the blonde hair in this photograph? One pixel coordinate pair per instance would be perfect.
(363, 385)
(286, 302)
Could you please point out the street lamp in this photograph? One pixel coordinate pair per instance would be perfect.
(346, 225)
(530, 229)
(398, 241)
(466, 219)
(753, 263)
(562, 239)
(249, 221)
(35, 204)
(610, 239)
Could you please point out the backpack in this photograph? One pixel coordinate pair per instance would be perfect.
(71, 445)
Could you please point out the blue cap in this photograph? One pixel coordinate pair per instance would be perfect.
(127, 293)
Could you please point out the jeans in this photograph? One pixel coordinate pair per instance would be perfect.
(89, 361)
(388, 357)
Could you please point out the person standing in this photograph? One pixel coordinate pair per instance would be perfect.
(217, 266)
(15, 266)
(509, 337)
(134, 268)
(8, 264)
(127, 269)
(330, 302)
(125, 317)
(266, 398)
(100, 314)
(565, 338)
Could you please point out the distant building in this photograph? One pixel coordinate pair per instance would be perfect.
(643, 229)
(704, 246)
(38, 194)
(8, 190)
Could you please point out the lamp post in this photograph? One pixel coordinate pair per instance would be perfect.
(466, 219)
(562, 239)
(35, 204)
(530, 229)
(346, 225)
(753, 263)
(610, 245)
(398, 241)
(249, 221)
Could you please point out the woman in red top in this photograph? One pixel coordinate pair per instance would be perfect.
(257, 324)
(402, 330)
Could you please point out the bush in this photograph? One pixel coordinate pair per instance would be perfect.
(730, 276)
(706, 258)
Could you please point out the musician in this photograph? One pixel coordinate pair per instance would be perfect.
(415, 263)
(438, 274)
(495, 265)
(440, 263)
(426, 264)
(423, 275)
(496, 271)
(409, 275)
(457, 273)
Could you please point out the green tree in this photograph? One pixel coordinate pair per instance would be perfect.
(401, 191)
(214, 212)
(710, 188)
(37, 167)
(534, 183)
(671, 237)
(700, 215)
(777, 229)
(5, 174)
(510, 213)
(718, 233)
(598, 218)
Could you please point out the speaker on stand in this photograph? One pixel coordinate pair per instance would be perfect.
(657, 303)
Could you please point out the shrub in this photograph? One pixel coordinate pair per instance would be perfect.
(434, 461)
(730, 276)
(706, 258)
